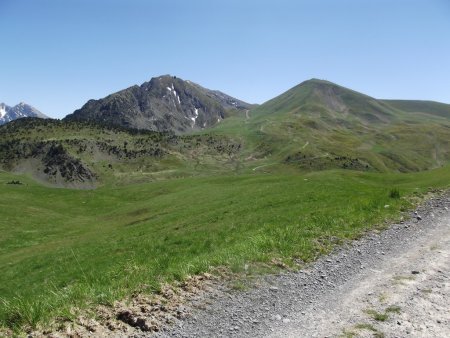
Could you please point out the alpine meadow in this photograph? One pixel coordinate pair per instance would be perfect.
(180, 180)
(224, 169)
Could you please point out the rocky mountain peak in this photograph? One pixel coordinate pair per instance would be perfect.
(164, 103)
(20, 110)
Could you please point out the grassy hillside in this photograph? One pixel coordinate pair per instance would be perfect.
(416, 106)
(320, 125)
(320, 98)
(59, 152)
(318, 165)
(78, 248)
(316, 125)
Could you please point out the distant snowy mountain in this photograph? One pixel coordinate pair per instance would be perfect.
(8, 113)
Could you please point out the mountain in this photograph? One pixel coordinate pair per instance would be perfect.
(329, 101)
(164, 103)
(21, 110)
(321, 125)
(324, 99)
(317, 125)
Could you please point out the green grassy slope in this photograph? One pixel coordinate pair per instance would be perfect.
(260, 184)
(326, 99)
(320, 125)
(416, 106)
(64, 248)
(116, 156)
(316, 125)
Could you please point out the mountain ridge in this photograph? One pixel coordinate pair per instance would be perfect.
(165, 103)
(394, 105)
(327, 98)
(21, 110)
(316, 125)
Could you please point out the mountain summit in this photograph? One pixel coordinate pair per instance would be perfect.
(329, 101)
(21, 110)
(165, 103)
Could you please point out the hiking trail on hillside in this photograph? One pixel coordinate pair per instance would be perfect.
(394, 283)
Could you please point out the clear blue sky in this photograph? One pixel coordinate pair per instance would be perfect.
(57, 54)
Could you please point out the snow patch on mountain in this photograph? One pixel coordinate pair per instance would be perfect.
(2, 110)
(194, 118)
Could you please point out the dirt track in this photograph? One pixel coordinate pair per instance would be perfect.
(393, 284)
(405, 294)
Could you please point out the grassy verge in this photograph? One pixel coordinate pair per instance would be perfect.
(63, 249)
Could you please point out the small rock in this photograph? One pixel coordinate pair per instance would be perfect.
(273, 288)
(277, 317)
(419, 218)
(286, 320)
(415, 272)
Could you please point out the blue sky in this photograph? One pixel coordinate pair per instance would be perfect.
(57, 54)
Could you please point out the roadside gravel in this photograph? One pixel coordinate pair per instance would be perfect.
(394, 283)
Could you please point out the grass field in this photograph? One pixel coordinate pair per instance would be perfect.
(277, 181)
(62, 249)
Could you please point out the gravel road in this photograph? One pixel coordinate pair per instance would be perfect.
(393, 284)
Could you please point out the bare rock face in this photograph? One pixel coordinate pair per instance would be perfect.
(61, 167)
(164, 103)
(48, 162)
